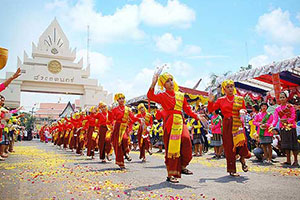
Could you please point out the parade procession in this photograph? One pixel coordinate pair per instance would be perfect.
(139, 112)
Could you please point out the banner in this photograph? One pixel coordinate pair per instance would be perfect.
(276, 85)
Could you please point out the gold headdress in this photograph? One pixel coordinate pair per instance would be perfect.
(228, 82)
(118, 96)
(141, 105)
(101, 103)
(92, 108)
(163, 79)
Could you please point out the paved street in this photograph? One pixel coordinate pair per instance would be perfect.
(42, 171)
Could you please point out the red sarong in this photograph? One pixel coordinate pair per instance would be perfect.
(102, 143)
(90, 149)
(228, 146)
(143, 143)
(119, 150)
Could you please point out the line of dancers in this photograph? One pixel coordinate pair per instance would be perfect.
(107, 128)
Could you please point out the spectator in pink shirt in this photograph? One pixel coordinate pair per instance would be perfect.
(287, 116)
(216, 129)
(263, 121)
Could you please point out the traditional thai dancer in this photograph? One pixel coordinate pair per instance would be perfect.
(72, 125)
(68, 127)
(234, 139)
(91, 133)
(102, 143)
(83, 128)
(143, 133)
(120, 116)
(178, 146)
(62, 130)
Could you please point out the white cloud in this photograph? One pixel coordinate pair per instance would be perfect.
(259, 61)
(190, 50)
(168, 43)
(298, 16)
(125, 22)
(145, 75)
(277, 26)
(180, 68)
(57, 4)
(99, 63)
(174, 13)
(133, 86)
(272, 53)
(140, 83)
(207, 56)
(177, 68)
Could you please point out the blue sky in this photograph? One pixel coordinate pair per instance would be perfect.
(129, 38)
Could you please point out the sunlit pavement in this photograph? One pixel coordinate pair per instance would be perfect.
(42, 171)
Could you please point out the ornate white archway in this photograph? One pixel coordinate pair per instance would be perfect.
(52, 70)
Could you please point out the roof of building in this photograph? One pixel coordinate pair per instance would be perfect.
(192, 91)
(51, 110)
(68, 110)
(259, 79)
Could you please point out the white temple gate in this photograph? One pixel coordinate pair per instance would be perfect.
(52, 70)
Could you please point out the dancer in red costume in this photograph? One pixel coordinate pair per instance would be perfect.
(234, 139)
(92, 121)
(102, 143)
(121, 116)
(143, 132)
(177, 141)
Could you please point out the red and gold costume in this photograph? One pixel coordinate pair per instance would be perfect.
(61, 129)
(42, 133)
(91, 133)
(72, 133)
(83, 127)
(178, 146)
(102, 143)
(120, 116)
(68, 127)
(234, 139)
(143, 133)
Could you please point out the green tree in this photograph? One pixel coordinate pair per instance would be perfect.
(27, 120)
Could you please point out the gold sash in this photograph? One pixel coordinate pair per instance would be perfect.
(81, 136)
(239, 138)
(55, 136)
(71, 135)
(147, 121)
(108, 132)
(176, 130)
(67, 134)
(95, 133)
(123, 125)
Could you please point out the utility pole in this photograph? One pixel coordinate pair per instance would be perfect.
(247, 57)
(88, 46)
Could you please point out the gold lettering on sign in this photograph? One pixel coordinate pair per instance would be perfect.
(54, 66)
